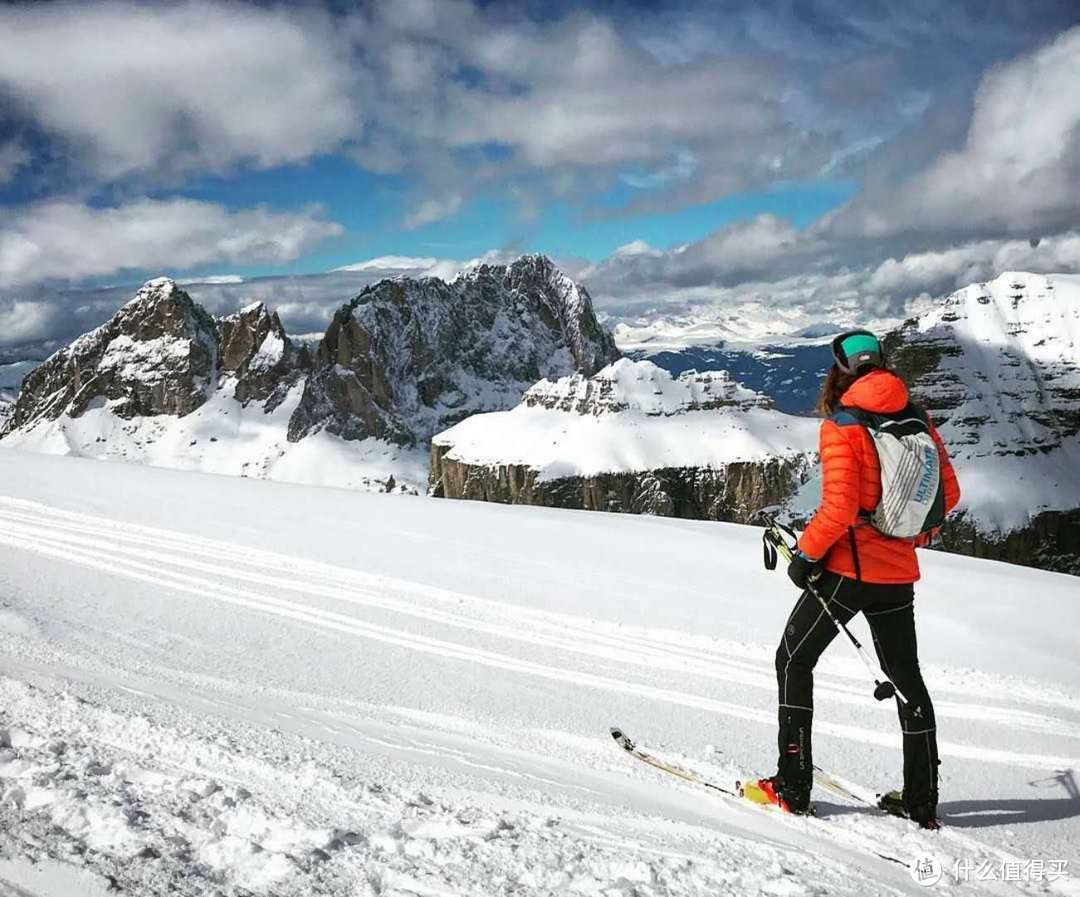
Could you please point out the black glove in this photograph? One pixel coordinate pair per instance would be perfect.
(802, 569)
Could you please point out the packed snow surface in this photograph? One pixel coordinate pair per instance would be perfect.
(632, 416)
(215, 685)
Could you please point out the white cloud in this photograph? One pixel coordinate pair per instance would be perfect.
(762, 247)
(395, 265)
(153, 90)
(1018, 172)
(68, 240)
(22, 321)
(941, 271)
(434, 209)
(399, 262)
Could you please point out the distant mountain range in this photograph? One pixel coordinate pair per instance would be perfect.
(501, 385)
(165, 383)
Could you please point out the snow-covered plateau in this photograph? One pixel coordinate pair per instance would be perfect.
(631, 416)
(225, 686)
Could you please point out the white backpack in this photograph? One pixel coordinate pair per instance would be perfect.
(912, 492)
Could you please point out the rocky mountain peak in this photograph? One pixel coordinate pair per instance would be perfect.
(162, 354)
(407, 358)
(157, 355)
(257, 353)
(564, 304)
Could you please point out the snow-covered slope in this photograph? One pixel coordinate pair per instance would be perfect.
(219, 686)
(718, 443)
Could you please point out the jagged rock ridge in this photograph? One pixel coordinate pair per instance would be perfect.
(161, 354)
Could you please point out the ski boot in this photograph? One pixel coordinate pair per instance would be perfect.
(793, 798)
(925, 815)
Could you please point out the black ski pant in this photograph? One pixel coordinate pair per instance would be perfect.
(889, 609)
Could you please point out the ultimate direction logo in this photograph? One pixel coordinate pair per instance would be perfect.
(927, 478)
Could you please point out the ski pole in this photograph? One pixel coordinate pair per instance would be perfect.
(774, 541)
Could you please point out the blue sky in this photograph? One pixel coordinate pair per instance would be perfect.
(735, 145)
(372, 208)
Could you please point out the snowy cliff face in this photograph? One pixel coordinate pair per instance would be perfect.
(998, 366)
(630, 438)
(407, 358)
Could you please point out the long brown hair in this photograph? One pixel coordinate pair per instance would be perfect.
(836, 383)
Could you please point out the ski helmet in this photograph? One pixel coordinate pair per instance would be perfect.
(857, 349)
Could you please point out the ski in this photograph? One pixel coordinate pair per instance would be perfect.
(821, 777)
(840, 788)
(688, 775)
(623, 741)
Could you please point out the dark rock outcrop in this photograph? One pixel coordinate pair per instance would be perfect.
(730, 493)
(256, 352)
(1050, 541)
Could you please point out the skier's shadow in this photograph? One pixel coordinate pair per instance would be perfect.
(984, 813)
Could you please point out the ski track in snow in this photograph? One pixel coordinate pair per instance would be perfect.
(307, 793)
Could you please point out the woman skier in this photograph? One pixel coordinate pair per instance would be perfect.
(856, 568)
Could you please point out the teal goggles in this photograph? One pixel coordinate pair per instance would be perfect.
(856, 348)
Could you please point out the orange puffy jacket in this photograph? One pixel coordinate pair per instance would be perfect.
(851, 481)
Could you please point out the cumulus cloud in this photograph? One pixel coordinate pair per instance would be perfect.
(153, 90)
(764, 247)
(1018, 172)
(68, 240)
(767, 263)
(685, 104)
(22, 321)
